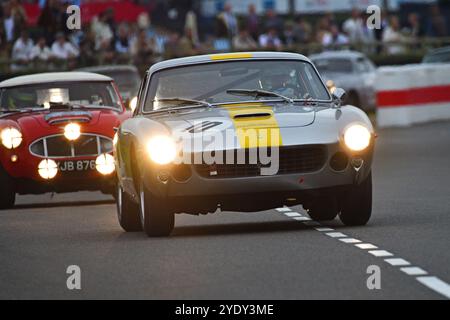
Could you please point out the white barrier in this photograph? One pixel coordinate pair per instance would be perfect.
(412, 94)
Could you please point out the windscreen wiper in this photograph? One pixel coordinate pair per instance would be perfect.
(258, 93)
(183, 101)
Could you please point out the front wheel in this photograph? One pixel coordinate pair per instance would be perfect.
(127, 211)
(156, 217)
(7, 193)
(323, 209)
(356, 204)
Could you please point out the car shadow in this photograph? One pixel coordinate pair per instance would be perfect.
(62, 204)
(237, 228)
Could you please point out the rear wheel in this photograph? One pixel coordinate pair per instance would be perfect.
(157, 218)
(323, 209)
(127, 212)
(356, 204)
(7, 192)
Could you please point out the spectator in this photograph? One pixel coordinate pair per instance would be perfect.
(62, 49)
(19, 14)
(414, 27)
(244, 41)
(229, 20)
(188, 45)
(302, 31)
(102, 31)
(354, 27)
(252, 22)
(21, 51)
(335, 38)
(270, 40)
(323, 34)
(122, 45)
(438, 24)
(172, 46)
(392, 38)
(272, 21)
(9, 22)
(49, 20)
(143, 49)
(41, 52)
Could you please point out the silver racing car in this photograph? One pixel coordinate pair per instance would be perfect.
(241, 132)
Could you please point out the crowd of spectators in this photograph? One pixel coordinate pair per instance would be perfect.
(104, 41)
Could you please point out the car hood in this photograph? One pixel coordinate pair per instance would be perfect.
(238, 121)
(34, 125)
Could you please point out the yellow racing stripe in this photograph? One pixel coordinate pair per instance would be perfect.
(229, 56)
(255, 125)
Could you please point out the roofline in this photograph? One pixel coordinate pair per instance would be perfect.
(226, 57)
(47, 78)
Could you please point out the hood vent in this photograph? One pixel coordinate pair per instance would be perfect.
(56, 118)
(252, 115)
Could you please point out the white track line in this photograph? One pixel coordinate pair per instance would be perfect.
(414, 271)
(366, 246)
(350, 240)
(436, 284)
(431, 282)
(397, 262)
(380, 253)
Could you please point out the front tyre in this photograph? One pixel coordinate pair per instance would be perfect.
(324, 209)
(7, 192)
(127, 212)
(156, 217)
(356, 204)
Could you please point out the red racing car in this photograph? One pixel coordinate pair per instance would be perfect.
(57, 134)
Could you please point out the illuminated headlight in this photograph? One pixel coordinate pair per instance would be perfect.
(72, 131)
(105, 164)
(133, 104)
(162, 150)
(11, 138)
(357, 137)
(48, 169)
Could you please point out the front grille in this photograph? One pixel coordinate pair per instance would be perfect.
(87, 145)
(292, 160)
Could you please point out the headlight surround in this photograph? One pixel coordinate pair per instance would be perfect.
(105, 164)
(11, 138)
(162, 149)
(133, 104)
(357, 137)
(72, 131)
(48, 169)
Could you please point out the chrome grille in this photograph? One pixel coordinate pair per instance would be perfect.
(301, 159)
(57, 146)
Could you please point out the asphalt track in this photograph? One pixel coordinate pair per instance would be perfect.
(268, 255)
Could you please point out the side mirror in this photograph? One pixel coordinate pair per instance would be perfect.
(339, 96)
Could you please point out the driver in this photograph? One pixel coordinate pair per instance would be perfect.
(278, 81)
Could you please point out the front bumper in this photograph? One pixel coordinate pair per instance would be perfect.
(276, 189)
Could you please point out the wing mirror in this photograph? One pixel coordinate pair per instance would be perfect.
(339, 96)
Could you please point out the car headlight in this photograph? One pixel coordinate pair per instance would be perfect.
(11, 138)
(357, 137)
(162, 149)
(48, 169)
(133, 104)
(72, 131)
(105, 164)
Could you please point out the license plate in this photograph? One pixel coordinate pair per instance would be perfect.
(74, 166)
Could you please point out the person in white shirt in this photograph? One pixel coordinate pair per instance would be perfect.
(41, 51)
(354, 27)
(62, 49)
(21, 51)
(393, 38)
(270, 40)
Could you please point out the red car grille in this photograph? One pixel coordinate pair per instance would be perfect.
(88, 145)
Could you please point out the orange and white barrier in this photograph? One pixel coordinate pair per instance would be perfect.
(412, 94)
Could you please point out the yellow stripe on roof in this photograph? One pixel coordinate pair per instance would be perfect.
(228, 56)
